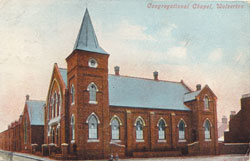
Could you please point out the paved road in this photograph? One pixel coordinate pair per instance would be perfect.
(199, 158)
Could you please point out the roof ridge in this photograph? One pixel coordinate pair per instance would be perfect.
(145, 78)
(36, 100)
(62, 68)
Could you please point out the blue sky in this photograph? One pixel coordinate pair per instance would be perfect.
(206, 46)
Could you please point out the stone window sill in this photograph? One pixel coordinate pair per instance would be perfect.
(208, 140)
(182, 141)
(139, 141)
(93, 141)
(115, 141)
(162, 141)
(93, 102)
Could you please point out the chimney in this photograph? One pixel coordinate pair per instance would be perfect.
(224, 119)
(198, 87)
(155, 75)
(27, 97)
(232, 114)
(117, 70)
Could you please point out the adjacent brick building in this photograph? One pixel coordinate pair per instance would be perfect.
(97, 114)
(238, 131)
(27, 131)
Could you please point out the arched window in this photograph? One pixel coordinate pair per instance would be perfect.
(58, 104)
(53, 136)
(92, 88)
(52, 107)
(57, 135)
(72, 127)
(161, 129)
(181, 130)
(55, 104)
(25, 130)
(207, 129)
(72, 91)
(206, 103)
(115, 127)
(93, 125)
(139, 129)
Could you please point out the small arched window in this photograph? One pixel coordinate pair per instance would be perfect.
(72, 122)
(206, 103)
(115, 127)
(93, 126)
(72, 91)
(139, 129)
(161, 129)
(92, 88)
(207, 130)
(181, 130)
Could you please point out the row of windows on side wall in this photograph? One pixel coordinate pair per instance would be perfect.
(115, 129)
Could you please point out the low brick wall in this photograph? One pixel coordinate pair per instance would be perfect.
(233, 148)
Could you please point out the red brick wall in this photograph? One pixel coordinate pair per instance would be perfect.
(81, 76)
(238, 133)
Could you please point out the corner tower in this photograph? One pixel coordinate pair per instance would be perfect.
(88, 95)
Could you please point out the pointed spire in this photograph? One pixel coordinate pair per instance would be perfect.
(86, 39)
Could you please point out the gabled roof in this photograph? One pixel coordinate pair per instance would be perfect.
(191, 96)
(63, 73)
(146, 93)
(36, 112)
(143, 93)
(86, 39)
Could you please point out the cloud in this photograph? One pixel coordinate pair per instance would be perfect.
(177, 52)
(216, 55)
(130, 31)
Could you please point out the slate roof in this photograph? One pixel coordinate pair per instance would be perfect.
(86, 39)
(64, 75)
(191, 96)
(36, 112)
(146, 93)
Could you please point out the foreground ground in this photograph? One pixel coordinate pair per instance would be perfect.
(198, 158)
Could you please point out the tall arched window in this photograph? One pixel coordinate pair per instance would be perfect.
(55, 104)
(53, 136)
(52, 107)
(207, 129)
(161, 129)
(58, 104)
(92, 88)
(115, 127)
(139, 129)
(93, 125)
(25, 130)
(72, 127)
(181, 130)
(72, 91)
(206, 103)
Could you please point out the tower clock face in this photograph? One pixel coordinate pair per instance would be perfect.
(92, 63)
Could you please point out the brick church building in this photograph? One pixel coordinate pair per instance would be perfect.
(97, 114)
